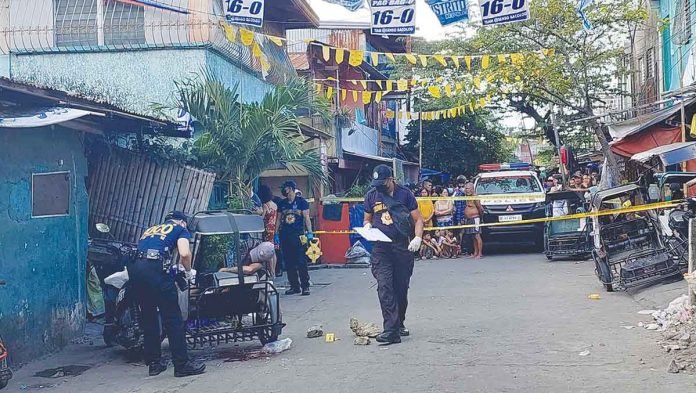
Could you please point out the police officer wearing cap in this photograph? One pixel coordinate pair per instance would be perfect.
(155, 289)
(393, 209)
(293, 221)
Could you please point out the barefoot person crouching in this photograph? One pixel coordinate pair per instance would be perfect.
(393, 209)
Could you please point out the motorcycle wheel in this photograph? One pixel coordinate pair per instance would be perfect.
(603, 272)
(270, 315)
(3, 383)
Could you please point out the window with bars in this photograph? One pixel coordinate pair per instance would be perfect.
(78, 23)
(123, 23)
(75, 22)
(650, 63)
(681, 31)
(641, 69)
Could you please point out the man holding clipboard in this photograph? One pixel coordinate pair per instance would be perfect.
(393, 210)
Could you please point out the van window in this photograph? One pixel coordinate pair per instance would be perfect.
(507, 185)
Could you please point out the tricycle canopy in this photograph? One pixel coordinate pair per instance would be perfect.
(224, 222)
(612, 193)
(671, 154)
(566, 195)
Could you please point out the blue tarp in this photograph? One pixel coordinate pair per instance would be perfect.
(357, 214)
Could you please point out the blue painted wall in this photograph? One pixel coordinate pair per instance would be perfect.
(43, 259)
(675, 57)
(131, 80)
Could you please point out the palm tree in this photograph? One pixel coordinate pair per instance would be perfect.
(240, 141)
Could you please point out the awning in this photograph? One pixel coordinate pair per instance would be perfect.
(427, 172)
(369, 157)
(41, 117)
(671, 154)
(656, 136)
(640, 123)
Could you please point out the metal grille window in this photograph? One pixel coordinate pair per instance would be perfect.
(75, 22)
(650, 63)
(681, 31)
(123, 23)
(641, 69)
(50, 194)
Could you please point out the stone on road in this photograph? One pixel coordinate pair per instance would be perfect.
(505, 323)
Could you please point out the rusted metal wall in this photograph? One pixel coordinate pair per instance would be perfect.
(131, 192)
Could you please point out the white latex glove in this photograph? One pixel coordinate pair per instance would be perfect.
(415, 244)
(190, 274)
(367, 225)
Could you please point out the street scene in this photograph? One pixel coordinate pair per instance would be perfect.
(347, 195)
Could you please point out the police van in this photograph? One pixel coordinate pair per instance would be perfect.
(511, 192)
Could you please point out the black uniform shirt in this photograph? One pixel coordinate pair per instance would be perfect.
(381, 219)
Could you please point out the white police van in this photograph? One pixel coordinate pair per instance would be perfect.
(511, 192)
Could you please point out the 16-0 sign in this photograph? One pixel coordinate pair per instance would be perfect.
(393, 17)
(498, 12)
(245, 12)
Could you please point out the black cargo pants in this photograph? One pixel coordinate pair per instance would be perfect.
(295, 260)
(155, 289)
(392, 267)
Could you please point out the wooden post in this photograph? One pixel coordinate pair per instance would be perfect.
(692, 261)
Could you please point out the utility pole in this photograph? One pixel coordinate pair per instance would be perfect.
(554, 124)
(420, 144)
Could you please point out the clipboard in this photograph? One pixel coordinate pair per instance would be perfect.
(372, 235)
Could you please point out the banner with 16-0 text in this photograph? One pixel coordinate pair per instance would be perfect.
(393, 17)
(245, 12)
(499, 12)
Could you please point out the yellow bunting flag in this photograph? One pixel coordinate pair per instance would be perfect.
(230, 32)
(326, 53)
(516, 58)
(402, 84)
(276, 40)
(329, 92)
(355, 95)
(265, 65)
(411, 58)
(455, 60)
(423, 60)
(471, 107)
(378, 96)
(482, 102)
(501, 59)
(256, 50)
(390, 56)
(435, 91)
(448, 90)
(344, 94)
(366, 97)
(390, 85)
(246, 36)
(458, 86)
(413, 82)
(375, 58)
(356, 57)
(364, 84)
(490, 77)
(548, 52)
(439, 79)
(340, 53)
(467, 60)
(440, 59)
(380, 84)
(353, 81)
(424, 83)
(485, 61)
(477, 82)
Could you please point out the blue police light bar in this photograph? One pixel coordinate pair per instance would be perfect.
(514, 166)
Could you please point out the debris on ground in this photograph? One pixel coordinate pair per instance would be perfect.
(357, 255)
(315, 331)
(678, 326)
(594, 296)
(361, 341)
(277, 346)
(584, 353)
(647, 312)
(330, 337)
(364, 329)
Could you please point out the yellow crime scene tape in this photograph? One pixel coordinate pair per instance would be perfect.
(516, 197)
(632, 209)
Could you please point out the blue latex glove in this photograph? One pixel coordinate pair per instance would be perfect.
(310, 235)
(276, 239)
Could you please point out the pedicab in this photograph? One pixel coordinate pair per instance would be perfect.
(569, 237)
(629, 249)
(229, 306)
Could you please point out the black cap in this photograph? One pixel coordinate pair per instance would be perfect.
(288, 183)
(461, 179)
(176, 215)
(380, 175)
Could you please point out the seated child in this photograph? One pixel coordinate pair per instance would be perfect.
(450, 245)
(429, 247)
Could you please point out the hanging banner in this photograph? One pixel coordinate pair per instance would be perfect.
(245, 12)
(351, 5)
(499, 12)
(393, 17)
(450, 11)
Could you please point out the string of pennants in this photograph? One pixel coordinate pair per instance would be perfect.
(356, 57)
(401, 85)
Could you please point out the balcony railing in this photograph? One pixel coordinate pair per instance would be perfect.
(65, 26)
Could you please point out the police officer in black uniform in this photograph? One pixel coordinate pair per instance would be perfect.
(293, 221)
(393, 209)
(155, 289)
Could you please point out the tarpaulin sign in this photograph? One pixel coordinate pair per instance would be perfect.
(351, 5)
(450, 11)
(245, 12)
(498, 12)
(393, 17)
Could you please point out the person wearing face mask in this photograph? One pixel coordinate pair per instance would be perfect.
(293, 221)
(393, 209)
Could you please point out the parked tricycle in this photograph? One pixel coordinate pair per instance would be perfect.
(569, 237)
(629, 250)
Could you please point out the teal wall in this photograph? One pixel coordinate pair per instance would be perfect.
(674, 57)
(43, 259)
(131, 80)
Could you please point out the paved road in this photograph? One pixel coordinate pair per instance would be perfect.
(506, 323)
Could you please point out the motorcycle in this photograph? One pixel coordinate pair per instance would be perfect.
(678, 221)
(122, 313)
(5, 372)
